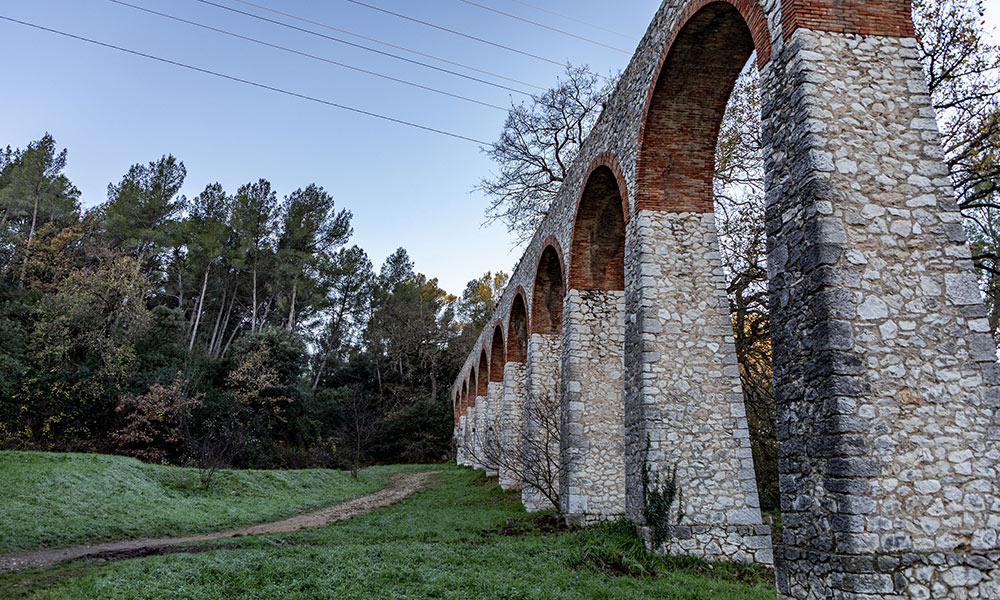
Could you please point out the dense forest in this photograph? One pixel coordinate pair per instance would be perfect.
(235, 328)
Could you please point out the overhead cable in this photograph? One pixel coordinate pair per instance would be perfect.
(571, 18)
(249, 82)
(363, 47)
(543, 26)
(312, 56)
(388, 44)
(455, 32)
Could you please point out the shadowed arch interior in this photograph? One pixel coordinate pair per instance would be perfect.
(473, 383)
(597, 258)
(465, 395)
(484, 374)
(517, 331)
(679, 137)
(497, 358)
(547, 298)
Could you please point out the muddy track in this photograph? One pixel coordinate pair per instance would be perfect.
(399, 487)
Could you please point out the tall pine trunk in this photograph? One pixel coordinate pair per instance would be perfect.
(201, 305)
(253, 319)
(291, 309)
(27, 246)
(218, 321)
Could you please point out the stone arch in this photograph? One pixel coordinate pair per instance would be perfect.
(497, 354)
(482, 384)
(472, 386)
(597, 255)
(549, 291)
(517, 329)
(697, 70)
(465, 394)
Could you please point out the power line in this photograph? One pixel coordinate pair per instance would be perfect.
(249, 82)
(389, 44)
(458, 33)
(312, 56)
(574, 19)
(363, 47)
(543, 26)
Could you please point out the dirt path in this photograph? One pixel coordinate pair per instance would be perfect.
(399, 487)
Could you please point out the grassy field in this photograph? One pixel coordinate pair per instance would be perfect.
(459, 538)
(57, 500)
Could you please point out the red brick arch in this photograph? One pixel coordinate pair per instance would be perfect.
(518, 328)
(607, 159)
(465, 395)
(498, 351)
(482, 384)
(549, 289)
(597, 254)
(473, 383)
(695, 75)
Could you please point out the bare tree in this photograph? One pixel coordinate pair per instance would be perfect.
(538, 145)
(535, 458)
(359, 426)
(216, 450)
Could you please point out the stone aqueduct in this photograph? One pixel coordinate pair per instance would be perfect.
(885, 372)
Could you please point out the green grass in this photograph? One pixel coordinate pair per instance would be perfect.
(58, 500)
(461, 537)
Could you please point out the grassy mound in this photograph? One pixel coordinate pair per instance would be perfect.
(58, 500)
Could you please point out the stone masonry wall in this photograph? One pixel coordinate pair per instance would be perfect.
(592, 444)
(460, 441)
(479, 433)
(683, 395)
(512, 424)
(886, 376)
(491, 428)
(470, 436)
(542, 376)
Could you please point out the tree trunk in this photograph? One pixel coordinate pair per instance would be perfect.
(267, 310)
(291, 309)
(225, 324)
(334, 329)
(253, 319)
(218, 320)
(434, 386)
(201, 305)
(180, 281)
(230, 341)
(27, 246)
(319, 372)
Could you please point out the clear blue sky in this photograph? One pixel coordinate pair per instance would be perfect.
(405, 187)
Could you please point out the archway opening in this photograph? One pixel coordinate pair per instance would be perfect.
(473, 382)
(482, 384)
(497, 355)
(597, 259)
(517, 331)
(548, 294)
